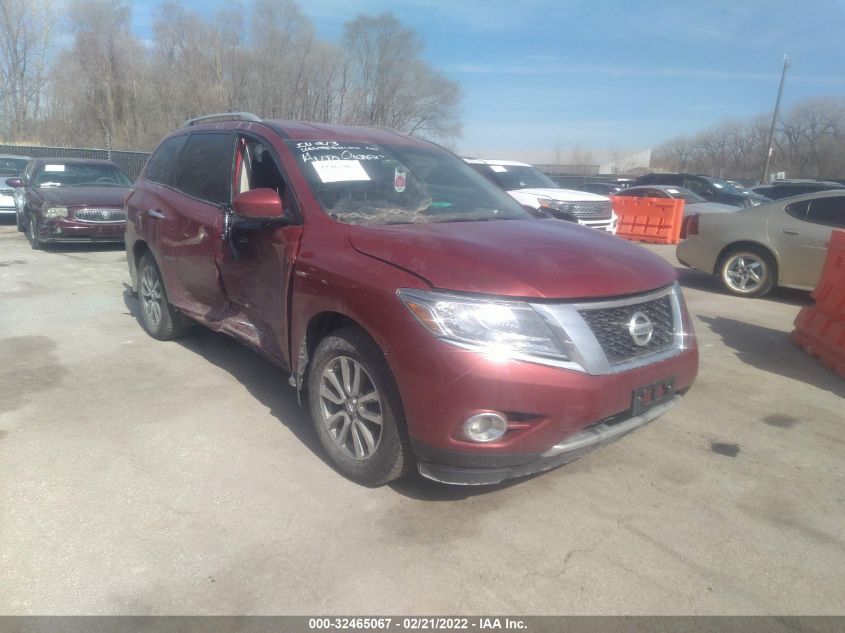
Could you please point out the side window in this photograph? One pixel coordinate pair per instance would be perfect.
(205, 167)
(257, 169)
(696, 186)
(162, 164)
(656, 193)
(798, 210)
(829, 211)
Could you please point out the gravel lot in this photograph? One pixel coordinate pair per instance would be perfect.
(139, 477)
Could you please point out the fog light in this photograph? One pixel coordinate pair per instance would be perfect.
(485, 427)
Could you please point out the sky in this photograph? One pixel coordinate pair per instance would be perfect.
(545, 76)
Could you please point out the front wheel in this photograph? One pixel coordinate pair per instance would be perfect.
(160, 319)
(356, 409)
(19, 221)
(32, 233)
(747, 273)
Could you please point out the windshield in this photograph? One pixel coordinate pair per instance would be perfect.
(12, 166)
(685, 194)
(363, 183)
(512, 177)
(722, 185)
(79, 175)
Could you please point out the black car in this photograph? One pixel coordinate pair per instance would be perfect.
(708, 187)
(601, 188)
(779, 190)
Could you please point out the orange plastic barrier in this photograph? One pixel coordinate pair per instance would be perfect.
(830, 291)
(820, 328)
(654, 220)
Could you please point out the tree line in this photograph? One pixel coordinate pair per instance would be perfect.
(104, 87)
(809, 142)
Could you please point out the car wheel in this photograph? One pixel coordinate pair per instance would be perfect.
(19, 221)
(747, 272)
(32, 233)
(158, 317)
(356, 409)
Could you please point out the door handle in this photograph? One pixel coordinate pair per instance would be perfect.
(788, 232)
(156, 214)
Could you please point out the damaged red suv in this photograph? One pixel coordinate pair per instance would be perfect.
(434, 324)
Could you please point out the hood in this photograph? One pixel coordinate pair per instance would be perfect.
(565, 195)
(546, 259)
(85, 196)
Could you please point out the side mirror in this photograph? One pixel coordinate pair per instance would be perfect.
(259, 204)
(15, 183)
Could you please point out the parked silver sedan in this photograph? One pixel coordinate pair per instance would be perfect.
(693, 203)
(781, 243)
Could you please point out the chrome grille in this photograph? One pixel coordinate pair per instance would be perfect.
(593, 210)
(100, 215)
(611, 327)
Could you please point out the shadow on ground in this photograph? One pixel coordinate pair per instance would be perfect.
(772, 351)
(269, 385)
(698, 280)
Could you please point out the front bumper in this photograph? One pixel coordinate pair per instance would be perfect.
(546, 407)
(564, 452)
(58, 230)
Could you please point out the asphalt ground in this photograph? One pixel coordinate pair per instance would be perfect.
(140, 477)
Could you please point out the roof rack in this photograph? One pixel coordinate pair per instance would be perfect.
(222, 116)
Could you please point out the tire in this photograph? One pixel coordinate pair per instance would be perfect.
(356, 409)
(158, 317)
(32, 233)
(747, 272)
(19, 222)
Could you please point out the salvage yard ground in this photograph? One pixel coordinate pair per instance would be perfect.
(140, 477)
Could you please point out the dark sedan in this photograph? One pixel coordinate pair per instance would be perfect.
(708, 187)
(72, 200)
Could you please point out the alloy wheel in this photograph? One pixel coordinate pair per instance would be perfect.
(745, 272)
(351, 408)
(151, 296)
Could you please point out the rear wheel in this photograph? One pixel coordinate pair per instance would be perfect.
(356, 409)
(747, 272)
(160, 319)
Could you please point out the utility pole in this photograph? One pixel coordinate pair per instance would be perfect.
(764, 177)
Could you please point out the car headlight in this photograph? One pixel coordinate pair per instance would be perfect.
(56, 212)
(556, 205)
(502, 328)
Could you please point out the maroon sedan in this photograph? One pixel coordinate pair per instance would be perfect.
(72, 200)
(434, 324)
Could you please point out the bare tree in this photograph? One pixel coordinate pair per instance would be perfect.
(808, 143)
(390, 85)
(107, 88)
(27, 27)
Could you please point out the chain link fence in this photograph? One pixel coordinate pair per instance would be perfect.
(130, 162)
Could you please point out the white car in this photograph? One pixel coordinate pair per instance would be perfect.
(533, 189)
(11, 166)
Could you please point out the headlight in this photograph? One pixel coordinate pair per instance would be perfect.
(502, 328)
(56, 212)
(557, 205)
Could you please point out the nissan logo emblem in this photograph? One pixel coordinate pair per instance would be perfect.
(641, 328)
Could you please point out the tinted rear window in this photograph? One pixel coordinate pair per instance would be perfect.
(205, 167)
(162, 164)
(829, 211)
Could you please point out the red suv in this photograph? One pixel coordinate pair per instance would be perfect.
(434, 324)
